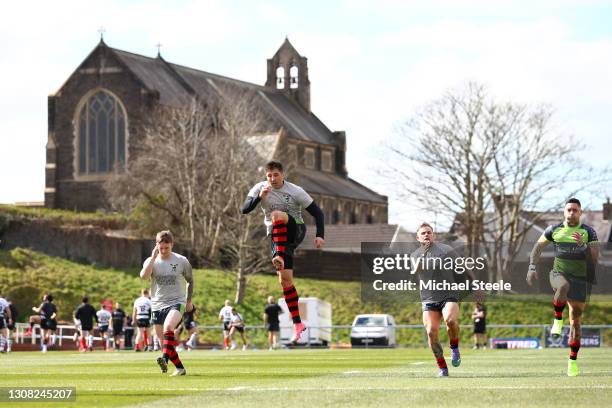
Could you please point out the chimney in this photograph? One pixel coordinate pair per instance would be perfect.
(607, 210)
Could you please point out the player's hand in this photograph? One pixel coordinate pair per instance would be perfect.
(319, 242)
(189, 306)
(263, 194)
(578, 238)
(155, 252)
(532, 275)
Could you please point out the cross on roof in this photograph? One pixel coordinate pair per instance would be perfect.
(158, 45)
(101, 30)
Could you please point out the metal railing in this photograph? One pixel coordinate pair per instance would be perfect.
(406, 335)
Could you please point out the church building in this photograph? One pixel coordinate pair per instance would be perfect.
(95, 121)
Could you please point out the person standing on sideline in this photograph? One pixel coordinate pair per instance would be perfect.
(86, 314)
(237, 325)
(48, 323)
(119, 321)
(141, 314)
(282, 203)
(270, 316)
(104, 319)
(225, 316)
(170, 296)
(479, 316)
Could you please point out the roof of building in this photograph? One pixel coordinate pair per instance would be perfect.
(178, 85)
(348, 237)
(331, 184)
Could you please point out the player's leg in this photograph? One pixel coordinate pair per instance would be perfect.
(450, 312)
(244, 340)
(138, 340)
(3, 335)
(476, 341)
(270, 340)
(431, 321)
(172, 320)
(158, 327)
(279, 238)
(576, 310)
(561, 287)
(193, 337)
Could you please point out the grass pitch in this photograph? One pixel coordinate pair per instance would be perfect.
(317, 378)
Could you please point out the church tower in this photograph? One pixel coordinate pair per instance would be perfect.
(288, 73)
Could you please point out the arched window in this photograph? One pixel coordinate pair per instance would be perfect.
(101, 138)
(293, 74)
(280, 78)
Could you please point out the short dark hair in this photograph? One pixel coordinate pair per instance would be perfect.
(574, 201)
(50, 298)
(85, 299)
(164, 236)
(274, 165)
(425, 224)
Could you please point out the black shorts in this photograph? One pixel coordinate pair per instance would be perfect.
(189, 325)
(48, 324)
(117, 329)
(437, 306)
(580, 288)
(295, 235)
(87, 326)
(227, 326)
(159, 316)
(103, 329)
(2, 323)
(273, 327)
(11, 326)
(480, 327)
(143, 322)
(239, 329)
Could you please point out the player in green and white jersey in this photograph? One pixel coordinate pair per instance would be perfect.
(576, 254)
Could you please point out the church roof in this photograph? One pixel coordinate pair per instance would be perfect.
(318, 182)
(177, 85)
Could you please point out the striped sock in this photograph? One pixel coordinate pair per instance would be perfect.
(574, 347)
(291, 298)
(559, 306)
(169, 349)
(279, 238)
(1, 342)
(441, 362)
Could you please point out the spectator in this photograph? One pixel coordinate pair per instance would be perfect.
(271, 312)
(479, 316)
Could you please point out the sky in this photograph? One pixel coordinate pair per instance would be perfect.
(371, 64)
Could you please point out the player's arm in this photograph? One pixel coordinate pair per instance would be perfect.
(256, 194)
(9, 314)
(188, 274)
(134, 312)
(314, 210)
(265, 318)
(534, 257)
(147, 267)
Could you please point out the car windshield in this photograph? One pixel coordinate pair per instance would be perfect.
(370, 321)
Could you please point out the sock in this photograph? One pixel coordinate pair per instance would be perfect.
(441, 362)
(31, 325)
(454, 343)
(226, 342)
(291, 298)
(1, 342)
(90, 341)
(279, 238)
(9, 343)
(192, 338)
(574, 347)
(145, 342)
(169, 349)
(53, 337)
(559, 306)
(83, 345)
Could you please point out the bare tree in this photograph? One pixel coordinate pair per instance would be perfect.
(191, 173)
(484, 163)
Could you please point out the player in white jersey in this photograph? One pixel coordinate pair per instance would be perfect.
(170, 296)
(282, 203)
(5, 318)
(225, 316)
(237, 325)
(104, 317)
(141, 314)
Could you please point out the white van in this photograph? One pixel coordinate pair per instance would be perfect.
(373, 330)
(316, 314)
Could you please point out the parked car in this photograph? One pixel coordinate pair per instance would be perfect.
(373, 330)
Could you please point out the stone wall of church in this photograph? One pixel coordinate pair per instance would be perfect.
(87, 194)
